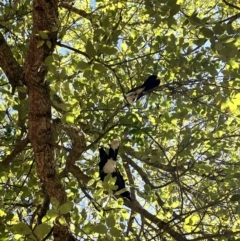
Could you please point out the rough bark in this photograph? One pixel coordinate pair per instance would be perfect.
(45, 14)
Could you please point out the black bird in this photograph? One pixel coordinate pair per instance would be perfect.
(136, 93)
(107, 165)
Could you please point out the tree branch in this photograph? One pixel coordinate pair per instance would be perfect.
(231, 5)
(44, 207)
(73, 49)
(9, 64)
(80, 12)
(18, 149)
(161, 224)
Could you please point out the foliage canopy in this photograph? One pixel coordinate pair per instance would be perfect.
(65, 69)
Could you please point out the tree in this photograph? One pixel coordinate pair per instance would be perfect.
(65, 69)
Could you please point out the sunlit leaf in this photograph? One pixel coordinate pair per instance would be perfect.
(40, 43)
(110, 221)
(69, 118)
(43, 34)
(42, 230)
(82, 65)
(54, 202)
(233, 64)
(90, 49)
(108, 50)
(90, 182)
(22, 228)
(235, 198)
(207, 32)
(66, 207)
(115, 232)
(100, 228)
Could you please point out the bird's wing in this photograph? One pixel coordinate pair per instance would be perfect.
(103, 159)
(151, 83)
(121, 184)
(103, 155)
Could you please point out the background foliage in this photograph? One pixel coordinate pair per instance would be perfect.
(179, 147)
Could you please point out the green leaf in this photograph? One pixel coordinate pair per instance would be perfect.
(174, 9)
(230, 29)
(147, 188)
(208, 33)
(52, 213)
(218, 46)
(40, 43)
(100, 228)
(90, 182)
(3, 23)
(235, 198)
(90, 49)
(105, 22)
(200, 41)
(233, 64)
(54, 202)
(109, 180)
(43, 34)
(108, 50)
(218, 28)
(22, 228)
(115, 36)
(124, 46)
(82, 65)
(49, 44)
(120, 191)
(63, 74)
(99, 193)
(115, 232)
(99, 68)
(87, 73)
(236, 175)
(98, 32)
(49, 60)
(88, 228)
(42, 230)
(223, 36)
(66, 207)
(194, 20)
(2, 213)
(229, 40)
(110, 220)
(68, 118)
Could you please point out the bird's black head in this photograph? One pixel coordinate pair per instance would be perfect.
(151, 83)
(151, 79)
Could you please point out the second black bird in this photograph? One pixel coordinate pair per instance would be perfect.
(107, 165)
(136, 93)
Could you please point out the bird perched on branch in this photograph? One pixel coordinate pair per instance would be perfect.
(136, 93)
(108, 165)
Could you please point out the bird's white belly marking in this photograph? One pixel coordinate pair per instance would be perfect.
(132, 96)
(140, 90)
(110, 166)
